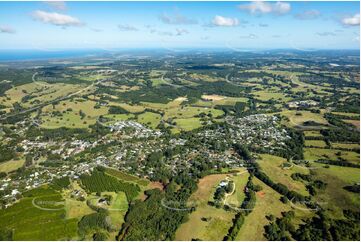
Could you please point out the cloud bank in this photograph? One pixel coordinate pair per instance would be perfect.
(56, 19)
(260, 7)
(351, 21)
(224, 21)
(7, 30)
(127, 27)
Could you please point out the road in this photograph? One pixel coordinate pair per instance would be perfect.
(4, 117)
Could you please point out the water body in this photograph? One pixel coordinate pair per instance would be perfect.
(21, 55)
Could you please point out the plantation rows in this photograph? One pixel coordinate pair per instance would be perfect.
(124, 176)
(100, 182)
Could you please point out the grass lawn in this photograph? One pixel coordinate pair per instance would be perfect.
(11, 165)
(272, 166)
(318, 153)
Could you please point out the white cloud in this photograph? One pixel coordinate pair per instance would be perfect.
(260, 7)
(181, 32)
(7, 30)
(126, 27)
(176, 19)
(56, 19)
(58, 5)
(310, 14)
(224, 21)
(352, 21)
(281, 8)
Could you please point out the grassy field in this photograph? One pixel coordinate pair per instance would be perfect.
(334, 197)
(347, 114)
(219, 221)
(268, 202)
(240, 181)
(76, 209)
(189, 112)
(312, 133)
(272, 166)
(299, 117)
(31, 223)
(345, 145)
(117, 208)
(188, 123)
(11, 165)
(129, 107)
(118, 117)
(70, 116)
(315, 143)
(150, 119)
(212, 100)
(318, 153)
(268, 95)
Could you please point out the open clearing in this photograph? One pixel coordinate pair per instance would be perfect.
(268, 202)
(150, 119)
(318, 153)
(299, 117)
(315, 143)
(11, 165)
(334, 197)
(219, 221)
(272, 166)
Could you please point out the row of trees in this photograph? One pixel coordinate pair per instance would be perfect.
(98, 181)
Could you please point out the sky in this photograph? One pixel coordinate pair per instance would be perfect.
(175, 25)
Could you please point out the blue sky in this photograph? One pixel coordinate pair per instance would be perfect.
(234, 25)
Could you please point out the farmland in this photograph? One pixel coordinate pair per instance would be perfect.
(180, 146)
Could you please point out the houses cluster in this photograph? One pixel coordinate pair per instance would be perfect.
(258, 130)
(302, 104)
(134, 129)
